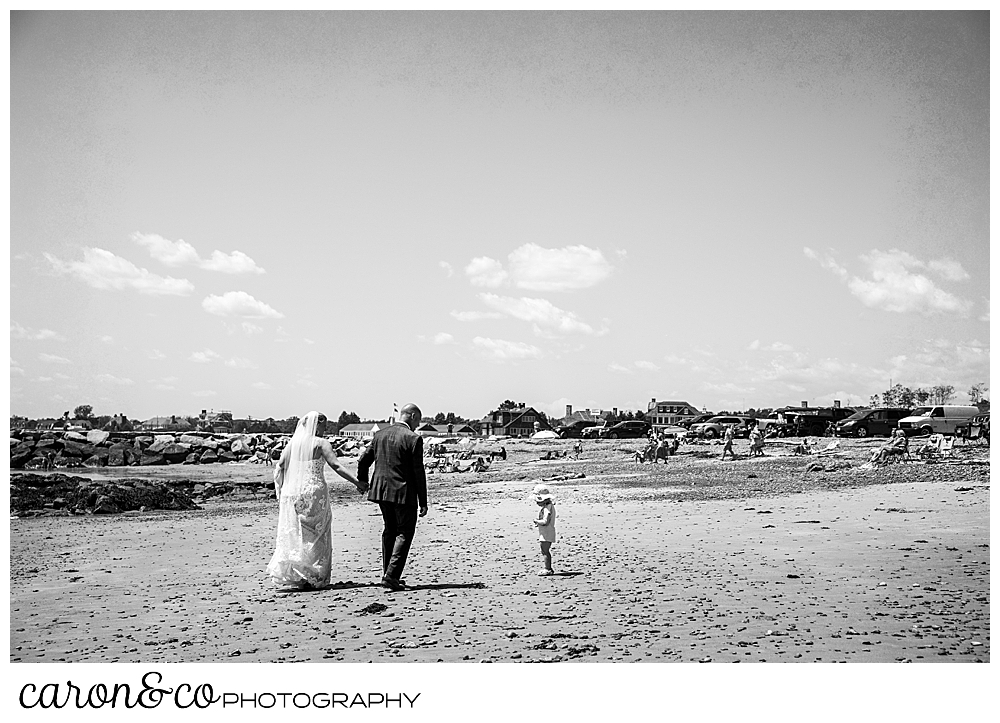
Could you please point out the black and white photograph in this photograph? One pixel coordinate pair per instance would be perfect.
(497, 336)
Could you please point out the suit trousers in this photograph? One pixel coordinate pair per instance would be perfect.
(400, 526)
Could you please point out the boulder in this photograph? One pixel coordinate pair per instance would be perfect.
(20, 455)
(74, 437)
(120, 454)
(192, 458)
(167, 438)
(143, 441)
(227, 456)
(76, 449)
(105, 506)
(240, 445)
(95, 461)
(209, 456)
(48, 443)
(191, 439)
(152, 459)
(210, 443)
(158, 446)
(174, 453)
(97, 436)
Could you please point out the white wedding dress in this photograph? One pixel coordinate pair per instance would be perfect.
(303, 549)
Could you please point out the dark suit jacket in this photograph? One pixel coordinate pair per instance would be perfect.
(398, 456)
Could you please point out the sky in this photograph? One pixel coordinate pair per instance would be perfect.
(270, 213)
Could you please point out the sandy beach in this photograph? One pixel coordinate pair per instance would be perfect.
(696, 560)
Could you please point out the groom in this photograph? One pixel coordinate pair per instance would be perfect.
(399, 486)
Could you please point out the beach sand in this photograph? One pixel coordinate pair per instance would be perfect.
(873, 572)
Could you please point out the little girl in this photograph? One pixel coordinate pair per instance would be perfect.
(546, 524)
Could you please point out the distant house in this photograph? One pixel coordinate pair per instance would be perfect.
(173, 423)
(516, 421)
(364, 431)
(212, 421)
(669, 412)
(445, 430)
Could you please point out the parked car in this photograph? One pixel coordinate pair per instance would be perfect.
(574, 429)
(942, 419)
(716, 426)
(591, 432)
(688, 423)
(810, 421)
(871, 422)
(630, 429)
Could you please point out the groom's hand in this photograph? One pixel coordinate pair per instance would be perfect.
(423, 511)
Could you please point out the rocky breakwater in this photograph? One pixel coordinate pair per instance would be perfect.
(38, 494)
(46, 450)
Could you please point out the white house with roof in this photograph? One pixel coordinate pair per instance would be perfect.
(669, 412)
(363, 432)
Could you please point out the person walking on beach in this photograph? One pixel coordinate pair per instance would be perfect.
(545, 522)
(399, 486)
(303, 548)
(728, 447)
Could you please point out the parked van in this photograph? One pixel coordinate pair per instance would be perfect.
(944, 419)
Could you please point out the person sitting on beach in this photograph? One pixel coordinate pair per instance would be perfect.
(898, 446)
(545, 523)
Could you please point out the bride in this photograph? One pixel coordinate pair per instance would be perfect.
(303, 547)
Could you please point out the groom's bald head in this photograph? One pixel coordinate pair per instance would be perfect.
(410, 415)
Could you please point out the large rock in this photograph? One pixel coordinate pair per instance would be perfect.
(20, 455)
(118, 454)
(192, 458)
(191, 439)
(240, 445)
(158, 446)
(105, 506)
(168, 438)
(96, 461)
(152, 459)
(143, 441)
(210, 443)
(74, 437)
(97, 436)
(209, 456)
(227, 456)
(174, 452)
(76, 449)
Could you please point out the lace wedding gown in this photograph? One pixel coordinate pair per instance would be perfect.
(303, 548)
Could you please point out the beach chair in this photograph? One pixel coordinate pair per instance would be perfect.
(945, 446)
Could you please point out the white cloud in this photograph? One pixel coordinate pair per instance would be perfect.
(309, 341)
(755, 344)
(15, 368)
(894, 286)
(239, 303)
(443, 337)
(103, 270)
(107, 339)
(204, 393)
(502, 350)
(949, 269)
(43, 379)
(484, 271)
(240, 363)
(449, 271)
(780, 346)
(110, 379)
(540, 312)
(476, 315)
(307, 383)
(249, 329)
(53, 359)
(57, 375)
(618, 368)
(181, 253)
(572, 267)
(157, 354)
(647, 366)
(261, 385)
(19, 332)
(203, 357)
(621, 253)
